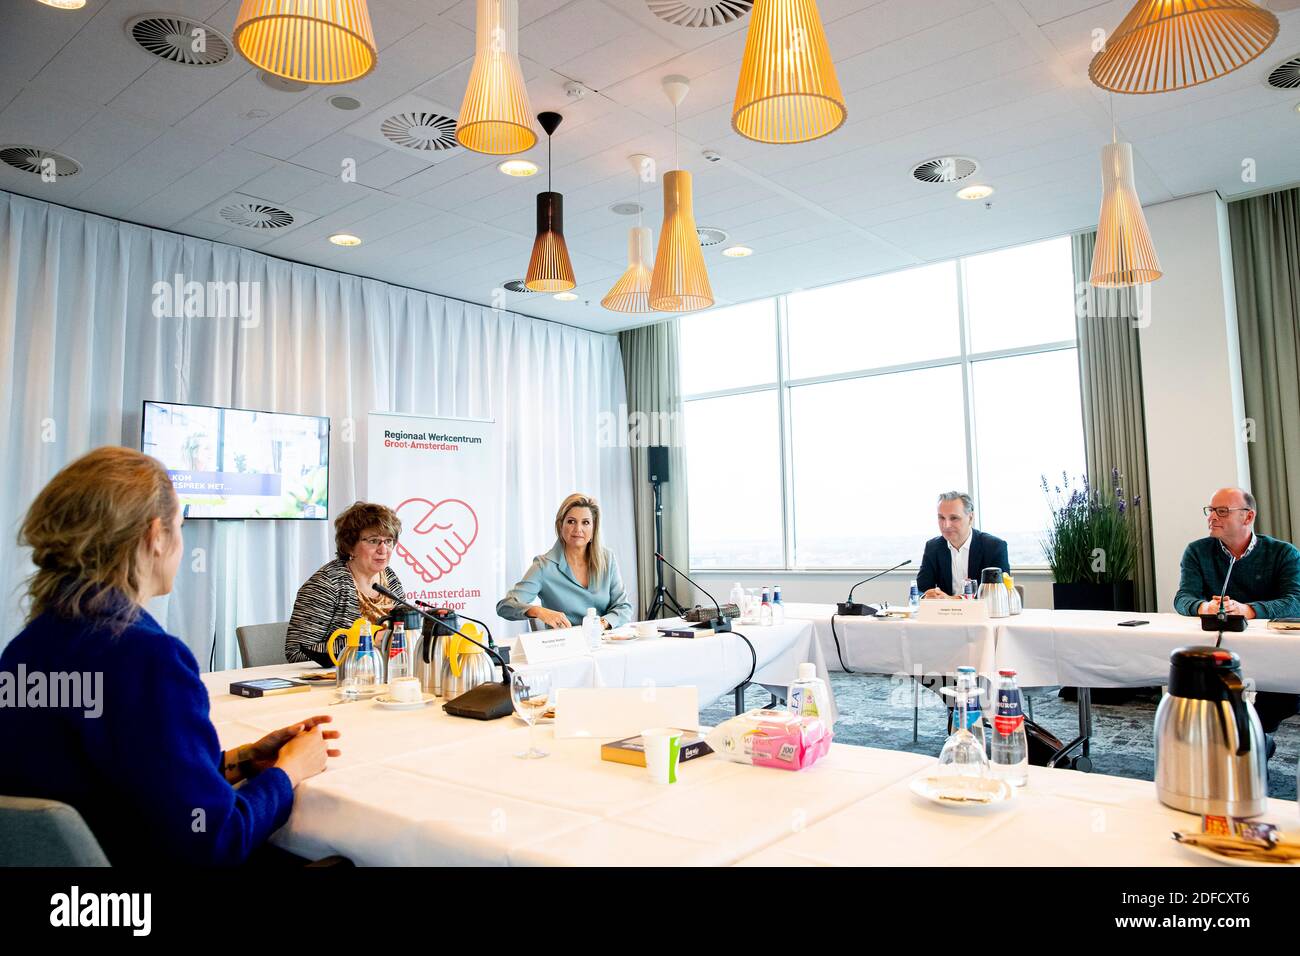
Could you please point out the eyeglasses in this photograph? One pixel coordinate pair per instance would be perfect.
(1221, 512)
(376, 542)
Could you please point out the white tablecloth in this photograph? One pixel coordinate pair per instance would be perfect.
(887, 646)
(1061, 818)
(419, 787)
(1089, 649)
(714, 664)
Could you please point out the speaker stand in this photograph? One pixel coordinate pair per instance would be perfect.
(663, 598)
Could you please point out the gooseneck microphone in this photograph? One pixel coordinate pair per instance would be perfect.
(720, 624)
(439, 622)
(1221, 620)
(851, 609)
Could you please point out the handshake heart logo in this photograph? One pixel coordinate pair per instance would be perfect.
(440, 535)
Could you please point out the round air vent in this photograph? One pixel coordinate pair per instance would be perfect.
(426, 131)
(179, 39)
(626, 208)
(700, 13)
(1286, 75)
(259, 216)
(711, 235)
(945, 169)
(517, 285)
(345, 103)
(32, 159)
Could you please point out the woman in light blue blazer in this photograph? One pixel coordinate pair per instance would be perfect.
(577, 573)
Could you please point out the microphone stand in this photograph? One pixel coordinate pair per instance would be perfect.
(851, 609)
(663, 598)
(440, 623)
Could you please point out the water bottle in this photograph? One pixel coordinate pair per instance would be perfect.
(591, 629)
(367, 669)
(778, 609)
(968, 683)
(738, 598)
(765, 611)
(1009, 754)
(914, 597)
(968, 589)
(399, 654)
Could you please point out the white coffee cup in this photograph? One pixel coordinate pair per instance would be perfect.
(662, 748)
(405, 689)
(646, 628)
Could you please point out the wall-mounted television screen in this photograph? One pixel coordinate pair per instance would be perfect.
(235, 463)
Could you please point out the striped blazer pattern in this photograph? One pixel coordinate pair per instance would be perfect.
(326, 601)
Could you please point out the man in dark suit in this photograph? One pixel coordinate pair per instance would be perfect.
(961, 551)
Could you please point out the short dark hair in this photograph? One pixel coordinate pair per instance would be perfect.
(359, 518)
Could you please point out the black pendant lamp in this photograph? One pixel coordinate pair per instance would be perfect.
(549, 269)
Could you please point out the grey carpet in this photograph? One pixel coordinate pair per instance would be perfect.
(876, 711)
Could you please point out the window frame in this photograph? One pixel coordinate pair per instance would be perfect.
(965, 358)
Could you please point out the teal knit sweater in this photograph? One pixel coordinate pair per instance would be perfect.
(1268, 578)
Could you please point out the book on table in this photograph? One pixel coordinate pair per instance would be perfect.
(631, 750)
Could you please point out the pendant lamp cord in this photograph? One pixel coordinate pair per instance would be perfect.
(549, 163)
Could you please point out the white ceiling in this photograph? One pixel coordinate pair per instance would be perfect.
(1004, 81)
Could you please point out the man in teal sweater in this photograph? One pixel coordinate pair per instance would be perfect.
(1265, 581)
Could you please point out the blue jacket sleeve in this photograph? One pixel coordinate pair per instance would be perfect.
(514, 606)
(927, 577)
(619, 611)
(1192, 589)
(155, 739)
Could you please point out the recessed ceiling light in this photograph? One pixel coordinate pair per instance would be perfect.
(280, 84)
(975, 192)
(565, 296)
(345, 239)
(627, 208)
(1297, 107)
(518, 167)
(346, 103)
(64, 4)
(737, 252)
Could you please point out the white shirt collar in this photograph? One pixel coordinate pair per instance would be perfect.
(1254, 539)
(965, 545)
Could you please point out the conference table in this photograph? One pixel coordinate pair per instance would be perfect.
(422, 788)
(716, 664)
(1047, 648)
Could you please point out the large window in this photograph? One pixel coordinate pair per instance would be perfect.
(822, 425)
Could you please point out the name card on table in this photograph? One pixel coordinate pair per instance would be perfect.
(557, 644)
(623, 711)
(955, 610)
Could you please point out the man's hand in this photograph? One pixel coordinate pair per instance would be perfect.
(1229, 607)
(935, 593)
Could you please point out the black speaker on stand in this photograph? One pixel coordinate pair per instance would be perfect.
(663, 598)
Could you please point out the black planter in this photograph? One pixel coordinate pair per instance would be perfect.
(1085, 596)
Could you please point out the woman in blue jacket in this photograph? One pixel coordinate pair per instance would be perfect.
(132, 749)
(577, 573)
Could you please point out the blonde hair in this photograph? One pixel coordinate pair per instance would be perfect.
(595, 551)
(85, 529)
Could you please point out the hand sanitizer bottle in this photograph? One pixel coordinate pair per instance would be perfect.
(591, 628)
(809, 696)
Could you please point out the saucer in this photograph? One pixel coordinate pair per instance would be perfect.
(962, 793)
(388, 703)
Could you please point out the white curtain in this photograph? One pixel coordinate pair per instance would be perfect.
(81, 349)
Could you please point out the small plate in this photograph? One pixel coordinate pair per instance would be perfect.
(388, 703)
(1231, 860)
(932, 788)
(317, 677)
(548, 718)
(615, 637)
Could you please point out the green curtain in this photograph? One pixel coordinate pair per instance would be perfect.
(654, 404)
(1266, 263)
(1110, 379)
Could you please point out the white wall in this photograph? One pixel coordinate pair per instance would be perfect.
(1191, 378)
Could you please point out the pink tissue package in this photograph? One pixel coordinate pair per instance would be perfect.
(768, 738)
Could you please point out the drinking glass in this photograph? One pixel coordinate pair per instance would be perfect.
(531, 694)
(962, 755)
